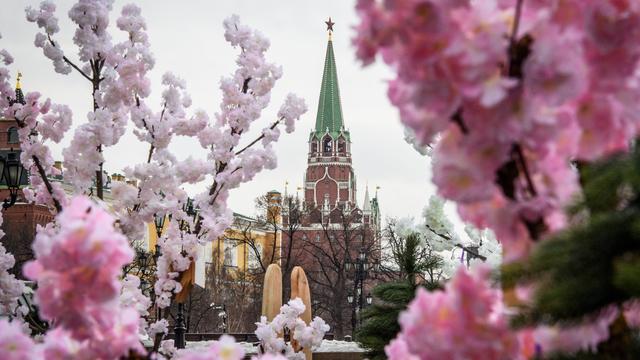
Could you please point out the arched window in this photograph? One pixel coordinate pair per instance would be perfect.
(13, 135)
(342, 146)
(326, 145)
(314, 146)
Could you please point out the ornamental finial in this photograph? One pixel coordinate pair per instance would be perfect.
(18, 86)
(330, 26)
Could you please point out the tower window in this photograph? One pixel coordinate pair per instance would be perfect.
(314, 146)
(342, 147)
(326, 145)
(13, 135)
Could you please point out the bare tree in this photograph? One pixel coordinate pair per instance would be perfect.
(239, 290)
(342, 237)
(281, 221)
(294, 214)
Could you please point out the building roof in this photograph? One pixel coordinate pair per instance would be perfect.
(329, 118)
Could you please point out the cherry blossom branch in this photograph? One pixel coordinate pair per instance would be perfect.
(516, 22)
(151, 149)
(46, 182)
(75, 67)
(96, 66)
(69, 62)
(459, 120)
(273, 126)
(525, 170)
(41, 172)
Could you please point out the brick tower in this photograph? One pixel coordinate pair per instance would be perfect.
(21, 219)
(327, 230)
(329, 180)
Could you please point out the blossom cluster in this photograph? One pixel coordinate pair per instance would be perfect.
(308, 336)
(511, 92)
(586, 335)
(466, 320)
(10, 287)
(118, 73)
(159, 191)
(179, 250)
(224, 349)
(77, 267)
(246, 93)
(131, 296)
(38, 122)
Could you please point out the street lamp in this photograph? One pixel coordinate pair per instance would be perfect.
(193, 212)
(12, 172)
(179, 328)
(361, 268)
(159, 222)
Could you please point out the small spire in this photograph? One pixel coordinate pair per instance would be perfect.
(366, 207)
(18, 85)
(19, 95)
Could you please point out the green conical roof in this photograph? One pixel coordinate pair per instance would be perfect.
(329, 108)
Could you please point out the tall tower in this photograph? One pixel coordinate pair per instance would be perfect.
(329, 180)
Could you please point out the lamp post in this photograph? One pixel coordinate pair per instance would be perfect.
(158, 220)
(11, 171)
(193, 212)
(361, 269)
(179, 328)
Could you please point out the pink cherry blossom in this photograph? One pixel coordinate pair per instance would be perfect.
(10, 287)
(78, 279)
(464, 321)
(14, 344)
(77, 268)
(572, 338)
(398, 349)
(507, 131)
(224, 349)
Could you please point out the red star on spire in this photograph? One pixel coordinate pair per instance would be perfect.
(329, 24)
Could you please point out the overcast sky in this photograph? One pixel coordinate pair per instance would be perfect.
(187, 39)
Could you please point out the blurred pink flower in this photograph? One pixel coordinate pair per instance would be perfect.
(464, 321)
(15, 344)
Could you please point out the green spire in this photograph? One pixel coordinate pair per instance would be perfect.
(329, 108)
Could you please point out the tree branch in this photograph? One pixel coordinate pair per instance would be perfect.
(258, 138)
(43, 175)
